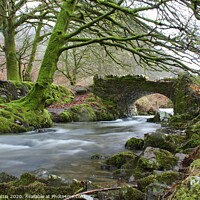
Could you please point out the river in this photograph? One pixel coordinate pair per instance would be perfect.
(65, 149)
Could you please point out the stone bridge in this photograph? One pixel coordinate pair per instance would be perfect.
(125, 90)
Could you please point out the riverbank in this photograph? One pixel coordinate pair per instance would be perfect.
(169, 165)
(135, 175)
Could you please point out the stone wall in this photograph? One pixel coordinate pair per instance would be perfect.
(11, 91)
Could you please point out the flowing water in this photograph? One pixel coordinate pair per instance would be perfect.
(65, 149)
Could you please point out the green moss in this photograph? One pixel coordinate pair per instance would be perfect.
(195, 128)
(59, 94)
(175, 139)
(186, 193)
(132, 164)
(184, 97)
(158, 140)
(124, 174)
(4, 177)
(195, 167)
(83, 112)
(104, 115)
(160, 159)
(120, 159)
(169, 177)
(28, 84)
(134, 143)
(91, 99)
(181, 121)
(36, 188)
(165, 159)
(16, 118)
(144, 182)
(66, 116)
(144, 163)
(129, 193)
(2, 100)
(25, 179)
(193, 142)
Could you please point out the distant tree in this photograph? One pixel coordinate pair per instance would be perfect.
(79, 63)
(39, 38)
(72, 63)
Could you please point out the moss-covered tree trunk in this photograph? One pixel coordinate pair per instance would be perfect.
(10, 52)
(52, 53)
(39, 93)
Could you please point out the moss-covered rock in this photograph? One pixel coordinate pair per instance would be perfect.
(169, 177)
(155, 158)
(59, 94)
(98, 157)
(145, 181)
(134, 144)
(188, 120)
(180, 121)
(186, 94)
(65, 116)
(83, 112)
(159, 140)
(129, 193)
(105, 110)
(120, 159)
(175, 140)
(155, 190)
(15, 118)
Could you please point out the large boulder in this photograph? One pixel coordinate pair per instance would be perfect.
(121, 158)
(156, 158)
(159, 140)
(134, 144)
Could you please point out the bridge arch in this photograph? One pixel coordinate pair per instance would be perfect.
(150, 104)
(125, 104)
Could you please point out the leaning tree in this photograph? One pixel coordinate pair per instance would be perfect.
(163, 41)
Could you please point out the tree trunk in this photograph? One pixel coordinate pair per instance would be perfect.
(10, 53)
(27, 75)
(36, 97)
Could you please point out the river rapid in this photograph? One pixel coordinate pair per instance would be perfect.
(65, 150)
